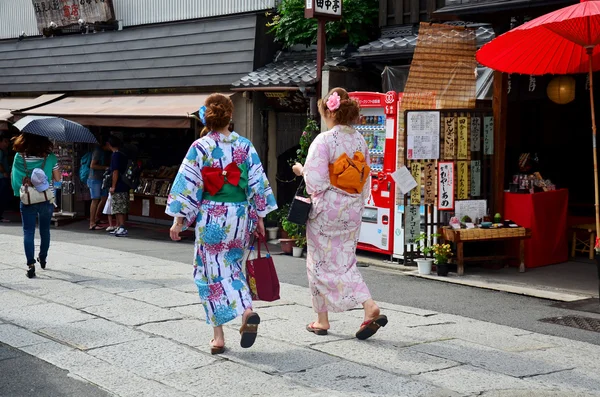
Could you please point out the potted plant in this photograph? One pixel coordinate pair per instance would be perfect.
(298, 249)
(272, 224)
(425, 264)
(291, 229)
(441, 255)
(282, 214)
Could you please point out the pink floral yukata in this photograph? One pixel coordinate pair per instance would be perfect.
(334, 224)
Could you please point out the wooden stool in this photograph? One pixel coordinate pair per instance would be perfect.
(584, 245)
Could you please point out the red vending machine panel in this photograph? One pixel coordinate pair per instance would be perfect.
(378, 125)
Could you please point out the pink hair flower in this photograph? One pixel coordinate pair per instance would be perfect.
(334, 101)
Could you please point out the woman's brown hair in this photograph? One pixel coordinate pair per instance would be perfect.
(32, 145)
(348, 112)
(219, 110)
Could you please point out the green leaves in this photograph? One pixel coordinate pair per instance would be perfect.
(358, 25)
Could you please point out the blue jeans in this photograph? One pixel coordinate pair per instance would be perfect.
(29, 215)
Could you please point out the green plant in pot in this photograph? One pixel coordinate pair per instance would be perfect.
(441, 253)
(291, 229)
(272, 224)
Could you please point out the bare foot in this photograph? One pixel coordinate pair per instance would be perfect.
(371, 310)
(247, 312)
(321, 325)
(217, 342)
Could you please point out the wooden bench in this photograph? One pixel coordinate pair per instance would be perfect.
(461, 236)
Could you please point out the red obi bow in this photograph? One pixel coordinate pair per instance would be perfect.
(214, 178)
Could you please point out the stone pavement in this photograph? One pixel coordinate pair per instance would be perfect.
(132, 325)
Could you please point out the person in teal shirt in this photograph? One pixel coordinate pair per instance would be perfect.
(34, 151)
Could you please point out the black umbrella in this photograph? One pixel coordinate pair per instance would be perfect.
(55, 128)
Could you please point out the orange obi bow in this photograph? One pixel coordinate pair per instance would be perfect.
(214, 178)
(349, 174)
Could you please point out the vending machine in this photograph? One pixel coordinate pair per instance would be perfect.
(378, 124)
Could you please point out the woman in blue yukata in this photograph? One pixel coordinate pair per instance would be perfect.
(222, 186)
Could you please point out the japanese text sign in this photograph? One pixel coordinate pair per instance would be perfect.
(476, 134)
(329, 9)
(430, 183)
(445, 186)
(68, 12)
(415, 194)
(412, 229)
(449, 137)
(475, 178)
(463, 180)
(463, 138)
(488, 135)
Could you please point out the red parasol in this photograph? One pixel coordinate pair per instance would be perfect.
(561, 42)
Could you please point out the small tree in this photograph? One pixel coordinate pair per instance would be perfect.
(359, 24)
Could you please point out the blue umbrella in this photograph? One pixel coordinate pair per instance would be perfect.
(55, 128)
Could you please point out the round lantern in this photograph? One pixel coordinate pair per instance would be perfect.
(561, 90)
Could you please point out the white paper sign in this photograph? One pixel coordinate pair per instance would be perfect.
(472, 208)
(423, 135)
(331, 7)
(404, 180)
(145, 207)
(389, 129)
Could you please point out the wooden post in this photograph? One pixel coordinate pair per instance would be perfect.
(321, 48)
(499, 106)
(383, 13)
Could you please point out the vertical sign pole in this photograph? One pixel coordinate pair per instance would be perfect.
(321, 47)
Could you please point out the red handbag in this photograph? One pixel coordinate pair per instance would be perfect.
(262, 276)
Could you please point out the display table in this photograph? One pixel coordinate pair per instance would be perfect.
(461, 236)
(546, 215)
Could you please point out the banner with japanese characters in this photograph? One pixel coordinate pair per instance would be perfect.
(412, 228)
(69, 12)
(446, 186)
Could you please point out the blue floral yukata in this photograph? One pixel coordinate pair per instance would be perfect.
(224, 220)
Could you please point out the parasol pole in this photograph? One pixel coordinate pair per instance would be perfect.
(590, 51)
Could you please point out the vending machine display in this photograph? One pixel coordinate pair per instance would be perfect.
(378, 124)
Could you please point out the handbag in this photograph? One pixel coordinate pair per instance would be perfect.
(29, 194)
(300, 208)
(262, 276)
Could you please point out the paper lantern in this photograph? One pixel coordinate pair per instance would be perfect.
(561, 90)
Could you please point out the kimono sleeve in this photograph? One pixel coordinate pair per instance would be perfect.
(260, 195)
(367, 187)
(186, 193)
(316, 167)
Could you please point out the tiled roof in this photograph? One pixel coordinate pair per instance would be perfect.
(407, 40)
(286, 73)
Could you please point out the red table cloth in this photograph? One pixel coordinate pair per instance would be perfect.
(546, 215)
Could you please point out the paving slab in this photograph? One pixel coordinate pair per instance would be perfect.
(43, 316)
(131, 312)
(571, 381)
(357, 380)
(195, 311)
(469, 380)
(587, 360)
(484, 357)
(195, 333)
(162, 297)
(385, 355)
(152, 357)
(6, 353)
(80, 297)
(533, 393)
(228, 379)
(118, 285)
(273, 357)
(19, 337)
(181, 284)
(15, 299)
(93, 333)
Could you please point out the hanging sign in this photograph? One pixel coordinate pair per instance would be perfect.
(330, 9)
(475, 134)
(463, 139)
(430, 183)
(423, 135)
(488, 135)
(449, 138)
(69, 12)
(415, 194)
(463, 180)
(475, 178)
(412, 228)
(446, 186)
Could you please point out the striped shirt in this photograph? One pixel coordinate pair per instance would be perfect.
(32, 159)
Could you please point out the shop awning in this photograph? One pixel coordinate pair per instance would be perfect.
(135, 111)
(11, 104)
(486, 10)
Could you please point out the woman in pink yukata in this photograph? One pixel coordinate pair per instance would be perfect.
(337, 177)
(222, 186)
